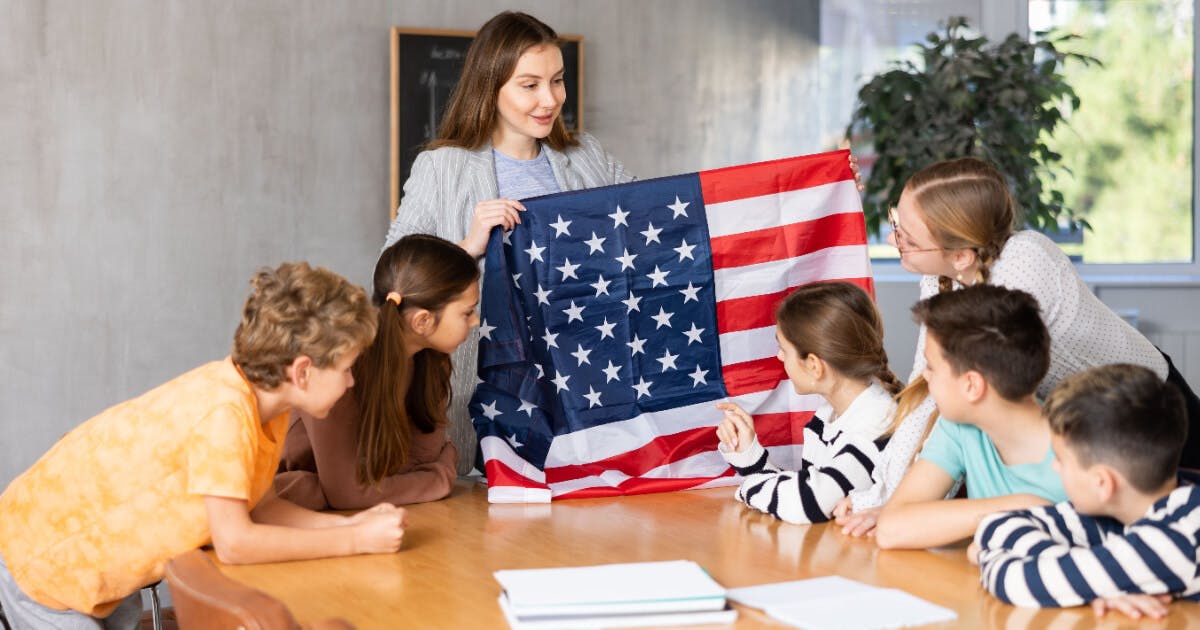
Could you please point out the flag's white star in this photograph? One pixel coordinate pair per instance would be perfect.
(626, 260)
(535, 252)
(693, 335)
(658, 277)
(636, 345)
(667, 360)
(596, 244)
(541, 295)
(698, 377)
(593, 397)
(690, 293)
(632, 303)
(663, 318)
(527, 407)
(618, 217)
(606, 329)
(679, 207)
(541, 370)
(517, 280)
(573, 313)
(560, 227)
(651, 234)
(485, 331)
(512, 440)
(611, 373)
(582, 355)
(568, 270)
(685, 250)
(491, 411)
(560, 382)
(643, 387)
(507, 237)
(550, 338)
(601, 286)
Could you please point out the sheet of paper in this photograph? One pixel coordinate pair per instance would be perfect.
(881, 608)
(615, 584)
(782, 593)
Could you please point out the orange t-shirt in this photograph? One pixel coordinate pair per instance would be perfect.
(96, 517)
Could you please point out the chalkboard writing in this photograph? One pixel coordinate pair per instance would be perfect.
(426, 65)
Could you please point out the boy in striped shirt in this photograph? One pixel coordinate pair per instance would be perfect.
(1127, 539)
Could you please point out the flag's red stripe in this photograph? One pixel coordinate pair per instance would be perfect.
(758, 311)
(773, 429)
(661, 450)
(778, 429)
(749, 377)
(499, 474)
(788, 241)
(641, 486)
(769, 178)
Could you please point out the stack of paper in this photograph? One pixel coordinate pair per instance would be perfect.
(613, 596)
(835, 602)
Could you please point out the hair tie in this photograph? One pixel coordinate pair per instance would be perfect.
(395, 298)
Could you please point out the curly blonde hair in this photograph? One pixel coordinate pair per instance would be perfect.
(297, 310)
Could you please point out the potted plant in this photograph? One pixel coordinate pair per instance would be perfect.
(967, 97)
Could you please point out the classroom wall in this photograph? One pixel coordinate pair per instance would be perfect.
(153, 154)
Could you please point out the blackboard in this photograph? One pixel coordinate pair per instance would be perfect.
(425, 68)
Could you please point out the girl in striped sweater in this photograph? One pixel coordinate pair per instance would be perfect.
(831, 344)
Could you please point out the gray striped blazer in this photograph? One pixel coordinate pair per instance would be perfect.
(439, 199)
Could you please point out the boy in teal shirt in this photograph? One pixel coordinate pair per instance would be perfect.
(986, 350)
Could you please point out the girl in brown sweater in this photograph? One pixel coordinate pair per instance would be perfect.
(385, 439)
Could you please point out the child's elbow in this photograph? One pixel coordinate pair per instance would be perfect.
(232, 550)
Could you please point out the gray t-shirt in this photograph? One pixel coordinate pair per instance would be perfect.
(522, 179)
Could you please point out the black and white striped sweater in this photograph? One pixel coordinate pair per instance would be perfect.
(839, 455)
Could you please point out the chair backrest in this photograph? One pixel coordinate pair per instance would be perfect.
(205, 599)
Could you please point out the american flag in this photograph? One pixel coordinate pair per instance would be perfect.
(613, 320)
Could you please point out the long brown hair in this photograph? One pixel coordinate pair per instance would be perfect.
(427, 273)
(491, 60)
(837, 322)
(966, 204)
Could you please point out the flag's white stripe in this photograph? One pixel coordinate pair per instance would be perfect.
(609, 479)
(831, 263)
(719, 482)
(709, 464)
(609, 440)
(794, 206)
(748, 345)
(513, 494)
(495, 448)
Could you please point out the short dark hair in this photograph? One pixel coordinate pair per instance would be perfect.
(1124, 416)
(992, 330)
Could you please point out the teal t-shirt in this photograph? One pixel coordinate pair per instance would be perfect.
(963, 449)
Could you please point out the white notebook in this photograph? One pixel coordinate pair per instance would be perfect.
(641, 587)
(619, 620)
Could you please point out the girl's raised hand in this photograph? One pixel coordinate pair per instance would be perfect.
(489, 214)
(736, 429)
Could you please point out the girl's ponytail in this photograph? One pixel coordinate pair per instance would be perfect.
(382, 444)
(886, 377)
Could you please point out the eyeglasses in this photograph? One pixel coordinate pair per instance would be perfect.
(900, 236)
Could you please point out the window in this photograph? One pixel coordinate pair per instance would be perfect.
(1129, 146)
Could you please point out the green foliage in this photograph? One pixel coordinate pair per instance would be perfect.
(999, 102)
(1130, 149)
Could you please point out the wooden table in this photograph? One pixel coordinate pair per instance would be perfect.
(442, 578)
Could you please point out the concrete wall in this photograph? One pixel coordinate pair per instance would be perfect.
(154, 153)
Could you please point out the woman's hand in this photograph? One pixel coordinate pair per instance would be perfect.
(489, 214)
(857, 175)
(737, 429)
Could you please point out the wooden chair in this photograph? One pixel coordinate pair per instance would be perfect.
(205, 599)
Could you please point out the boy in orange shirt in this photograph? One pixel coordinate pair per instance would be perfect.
(188, 463)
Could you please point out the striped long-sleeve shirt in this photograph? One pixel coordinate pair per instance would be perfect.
(1055, 556)
(839, 455)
